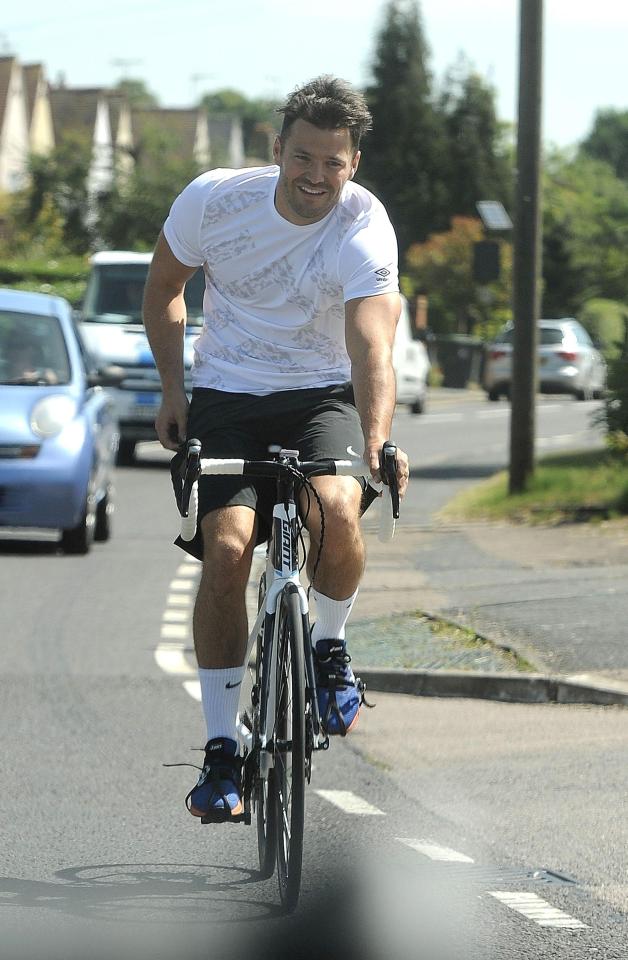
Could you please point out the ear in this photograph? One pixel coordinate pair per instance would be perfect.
(276, 149)
(354, 164)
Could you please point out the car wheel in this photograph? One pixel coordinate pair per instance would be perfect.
(126, 453)
(418, 406)
(493, 395)
(102, 527)
(78, 539)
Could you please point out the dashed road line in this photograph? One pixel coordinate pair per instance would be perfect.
(349, 802)
(435, 851)
(534, 908)
(175, 632)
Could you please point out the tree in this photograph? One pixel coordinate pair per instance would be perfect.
(479, 162)
(52, 214)
(586, 233)
(404, 157)
(132, 214)
(137, 94)
(608, 140)
(443, 268)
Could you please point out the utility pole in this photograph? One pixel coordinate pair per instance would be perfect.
(527, 246)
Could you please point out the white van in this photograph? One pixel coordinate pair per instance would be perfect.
(110, 320)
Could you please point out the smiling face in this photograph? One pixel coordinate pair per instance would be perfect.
(314, 166)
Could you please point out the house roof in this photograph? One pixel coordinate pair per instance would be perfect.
(74, 109)
(180, 125)
(6, 69)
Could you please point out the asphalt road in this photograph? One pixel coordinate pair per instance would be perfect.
(101, 859)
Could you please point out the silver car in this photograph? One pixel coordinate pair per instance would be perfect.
(568, 361)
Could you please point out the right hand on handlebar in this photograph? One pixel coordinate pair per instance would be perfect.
(171, 421)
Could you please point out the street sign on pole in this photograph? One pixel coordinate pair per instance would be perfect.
(493, 215)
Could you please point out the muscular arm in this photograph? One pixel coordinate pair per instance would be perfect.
(164, 319)
(370, 324)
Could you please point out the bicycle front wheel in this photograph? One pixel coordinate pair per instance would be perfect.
(265, 792)
(290, 749)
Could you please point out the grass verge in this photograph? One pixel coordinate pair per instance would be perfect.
(565, 488)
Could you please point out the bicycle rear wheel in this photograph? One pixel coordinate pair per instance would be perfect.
(290, 748)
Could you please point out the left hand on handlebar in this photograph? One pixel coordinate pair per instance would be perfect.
(403, 468)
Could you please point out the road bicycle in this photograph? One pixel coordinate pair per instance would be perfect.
(280, 726)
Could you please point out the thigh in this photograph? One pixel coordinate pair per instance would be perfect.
(327, 424)
(227, 425)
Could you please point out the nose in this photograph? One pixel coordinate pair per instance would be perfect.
(315, 172)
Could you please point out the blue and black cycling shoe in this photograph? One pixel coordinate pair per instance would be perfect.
(217, 797)
(339, 693)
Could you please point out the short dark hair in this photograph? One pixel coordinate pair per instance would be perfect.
(328, 103)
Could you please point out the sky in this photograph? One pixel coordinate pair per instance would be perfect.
(183, 48)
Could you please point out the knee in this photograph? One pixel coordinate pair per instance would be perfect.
(227, 556)
(341, 506)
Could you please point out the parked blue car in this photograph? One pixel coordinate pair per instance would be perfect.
(58, 429)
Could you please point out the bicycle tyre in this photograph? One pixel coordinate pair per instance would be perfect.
(265, 791)
(290, 748)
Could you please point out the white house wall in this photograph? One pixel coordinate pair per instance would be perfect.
(14, 135)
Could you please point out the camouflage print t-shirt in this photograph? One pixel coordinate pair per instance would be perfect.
(275, 291)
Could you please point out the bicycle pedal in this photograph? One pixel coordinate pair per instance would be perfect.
(220, 816)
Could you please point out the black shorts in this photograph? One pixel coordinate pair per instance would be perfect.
(319, 423)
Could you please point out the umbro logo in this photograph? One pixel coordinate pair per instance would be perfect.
(382, 274)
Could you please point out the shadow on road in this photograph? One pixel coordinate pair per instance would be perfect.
(453, 471)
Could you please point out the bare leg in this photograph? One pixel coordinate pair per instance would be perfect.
(220, 621)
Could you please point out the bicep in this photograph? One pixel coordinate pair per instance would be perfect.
(370, 323)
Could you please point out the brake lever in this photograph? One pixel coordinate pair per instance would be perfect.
(191, 475)
(388, 466)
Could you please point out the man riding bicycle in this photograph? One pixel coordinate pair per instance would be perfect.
(301, 306)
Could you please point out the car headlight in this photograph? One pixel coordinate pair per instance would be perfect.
(51, 414)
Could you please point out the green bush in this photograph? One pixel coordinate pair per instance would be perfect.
(606, 321)
(65, 277)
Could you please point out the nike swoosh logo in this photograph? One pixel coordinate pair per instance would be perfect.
(352, 452)
(230, 686)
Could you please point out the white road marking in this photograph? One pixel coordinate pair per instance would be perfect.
(188, 569)
(442, 418)
(171, 659)
(534, 908)
(193, 687)
(175, 631)
(434, 850)
(179, 600)
(175, 616)
(349, 802)
(183, 585)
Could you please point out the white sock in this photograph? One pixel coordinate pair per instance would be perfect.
(220, 695)
(331, 616)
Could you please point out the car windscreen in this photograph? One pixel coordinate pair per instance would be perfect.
(32, 349)
(115, 292)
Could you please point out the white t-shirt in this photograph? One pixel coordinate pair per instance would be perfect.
(275, 291)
